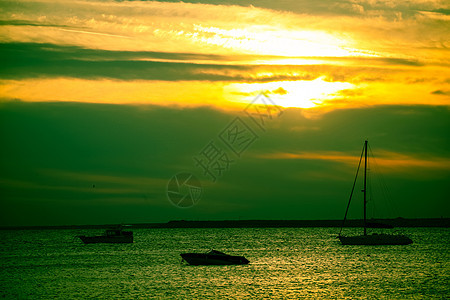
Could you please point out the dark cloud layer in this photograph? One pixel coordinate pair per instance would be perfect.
(29, 60)
(91, 163)
(36, 60)
(28, 23)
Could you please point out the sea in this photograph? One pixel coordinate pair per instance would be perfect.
(285, 263)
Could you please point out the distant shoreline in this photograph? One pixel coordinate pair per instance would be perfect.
(398, 222)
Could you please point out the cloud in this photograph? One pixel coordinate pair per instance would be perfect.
(46, 60)
(371, 52)
(393, 162)
(279, 91)
(36, 23)
(285, 28)
(28, 60)
(441, 92)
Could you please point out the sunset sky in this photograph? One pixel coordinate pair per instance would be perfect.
(103, 102)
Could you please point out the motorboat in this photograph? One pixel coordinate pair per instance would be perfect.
(111, 235)
(213, 257)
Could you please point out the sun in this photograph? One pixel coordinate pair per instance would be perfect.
(300, 94)
(289, 47)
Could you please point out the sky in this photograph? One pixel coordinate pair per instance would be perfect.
(151, 111)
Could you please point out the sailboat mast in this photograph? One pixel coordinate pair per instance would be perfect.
(365, 181)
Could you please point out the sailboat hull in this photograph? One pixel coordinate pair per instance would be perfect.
(375, 239)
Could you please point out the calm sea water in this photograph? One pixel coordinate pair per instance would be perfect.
(285, 263)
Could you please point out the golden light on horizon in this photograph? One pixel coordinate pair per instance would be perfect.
(299, 94)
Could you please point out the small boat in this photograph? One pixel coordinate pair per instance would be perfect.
(374, 238)
(111, 235)
(213, 257)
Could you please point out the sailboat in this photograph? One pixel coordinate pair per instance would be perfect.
(374, 238)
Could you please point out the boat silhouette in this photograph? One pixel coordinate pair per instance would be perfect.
(213, 257)
(114, 235)
(374, 238)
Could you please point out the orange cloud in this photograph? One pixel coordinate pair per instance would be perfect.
(389, 161)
